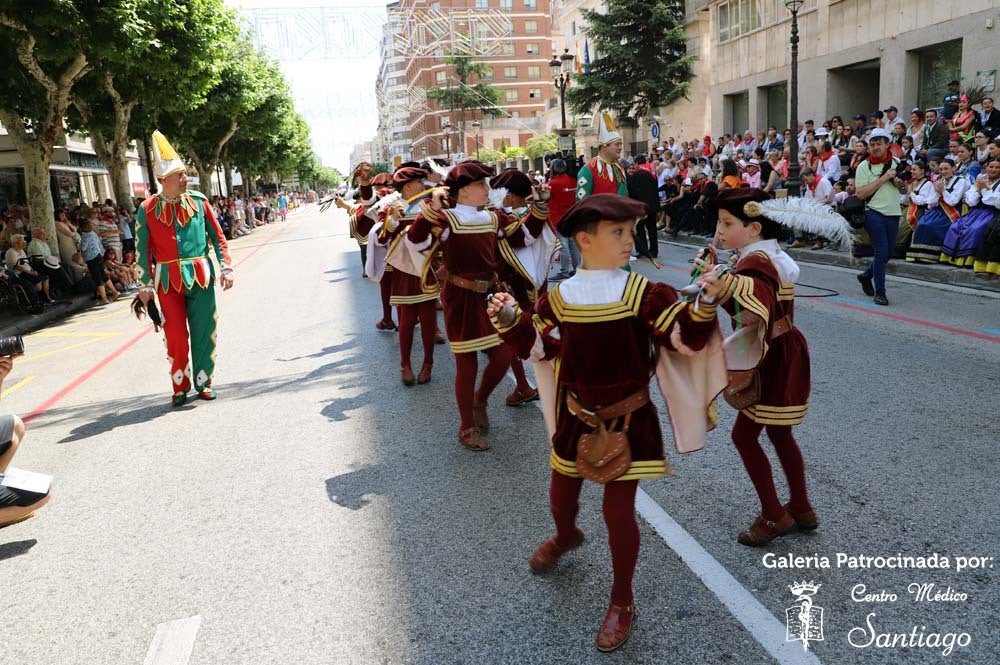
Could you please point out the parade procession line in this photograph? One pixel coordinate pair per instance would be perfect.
(742, 605)
(60, 394)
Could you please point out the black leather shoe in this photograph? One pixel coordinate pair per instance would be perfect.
(866, 285)
(880, 299)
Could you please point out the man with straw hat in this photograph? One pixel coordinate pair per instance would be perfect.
(173, 230)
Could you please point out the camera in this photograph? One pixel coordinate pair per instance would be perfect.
(903, 171)
(11, 346)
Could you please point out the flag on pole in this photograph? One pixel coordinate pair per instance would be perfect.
(579, 59)
(586, 56)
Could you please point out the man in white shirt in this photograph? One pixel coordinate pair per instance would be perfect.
(892, 118)
(817, 188)
(830, 167)
(808, 126)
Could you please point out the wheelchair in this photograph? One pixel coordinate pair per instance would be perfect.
(18, 293)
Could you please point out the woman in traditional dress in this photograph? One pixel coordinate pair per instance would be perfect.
(943, 202)
(965, 236)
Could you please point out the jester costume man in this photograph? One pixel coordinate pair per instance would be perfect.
(173, 231)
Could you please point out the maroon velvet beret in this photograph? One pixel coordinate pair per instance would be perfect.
(598, 207)
(466, 173)
(406, 174)
(382, 180)
(516, 182)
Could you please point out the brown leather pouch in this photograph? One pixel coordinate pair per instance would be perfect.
(743, 389)
(603, 456)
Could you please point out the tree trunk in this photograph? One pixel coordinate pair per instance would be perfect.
(37, 181)
(37, 157)
(148, 153)
(228, 169)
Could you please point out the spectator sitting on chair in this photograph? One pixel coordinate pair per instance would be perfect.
(935, 137)
(17, 261)
(818, 189)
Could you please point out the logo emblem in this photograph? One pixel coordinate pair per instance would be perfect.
(804, 620)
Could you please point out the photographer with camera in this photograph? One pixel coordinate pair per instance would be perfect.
(18, 501)
(879, 187)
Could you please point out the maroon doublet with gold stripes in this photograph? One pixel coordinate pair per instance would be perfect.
(603, 354)
(756, 291)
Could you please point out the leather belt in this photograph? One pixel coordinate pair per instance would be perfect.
(781, 326)
(476, 285)
(594, 418)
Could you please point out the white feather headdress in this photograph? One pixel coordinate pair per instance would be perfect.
(497, 196)
(440, 170)
(805, 216)
(386, 201)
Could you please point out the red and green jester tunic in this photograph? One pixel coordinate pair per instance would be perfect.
(172, 248)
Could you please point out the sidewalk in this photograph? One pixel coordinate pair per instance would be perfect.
(941, 273)
(15, 322)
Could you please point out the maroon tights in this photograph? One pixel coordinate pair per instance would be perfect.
(408, 315)
(466, 367)
(517, 367)
(385, 286)
(619, 516)
(745, 435)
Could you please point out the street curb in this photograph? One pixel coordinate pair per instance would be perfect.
(940, 274)
(26, 323)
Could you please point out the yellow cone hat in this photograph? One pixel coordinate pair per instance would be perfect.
(166, 161)
(606, 130)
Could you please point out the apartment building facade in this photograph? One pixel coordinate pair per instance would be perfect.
(855, 56)
(512, 37)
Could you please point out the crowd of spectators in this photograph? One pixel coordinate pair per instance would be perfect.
(963, 136)
(94, 247)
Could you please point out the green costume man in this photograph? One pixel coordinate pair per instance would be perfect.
(173, 231)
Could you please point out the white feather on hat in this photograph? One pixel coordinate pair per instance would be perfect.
(806, 216)
(497, 196)
(437, 168)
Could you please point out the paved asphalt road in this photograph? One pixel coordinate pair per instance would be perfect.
(320, 512)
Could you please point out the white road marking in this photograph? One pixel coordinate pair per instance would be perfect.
(173, 642)
(743, 605)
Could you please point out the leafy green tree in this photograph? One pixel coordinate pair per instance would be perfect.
(44, 52)
(468, 92)
(642, 61)
(490, 155)
(539, 146)
(171, 62)
(248, 81)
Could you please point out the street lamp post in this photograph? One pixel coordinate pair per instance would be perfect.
(561, 66)
(792, 184)
(476, 125)
(446, 126)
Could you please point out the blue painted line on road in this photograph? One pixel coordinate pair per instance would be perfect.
(991, 331)
(854, 301)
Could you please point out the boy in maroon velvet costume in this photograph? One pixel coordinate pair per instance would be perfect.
(515, 214)
(412, 301)
(599, 328)
(467, 236)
